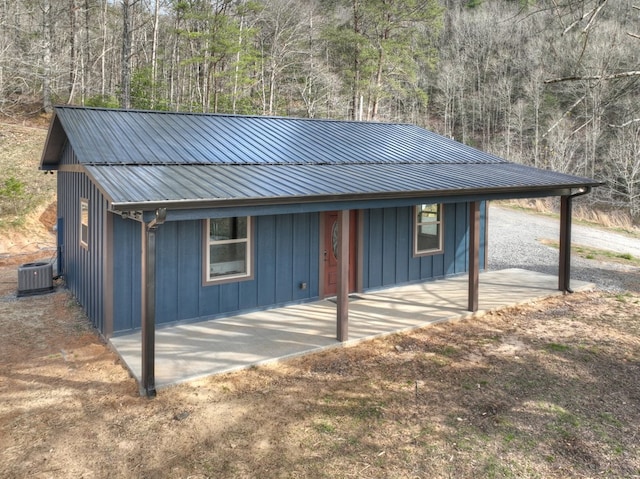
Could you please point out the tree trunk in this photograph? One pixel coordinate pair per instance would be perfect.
(46, 56)
(125, 67)
(356, 62)
(73, 51)
(154, 53)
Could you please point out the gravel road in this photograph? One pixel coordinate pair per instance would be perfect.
(514, 242)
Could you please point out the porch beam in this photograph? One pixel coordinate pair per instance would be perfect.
(564, 267)
(342, 300)
(474, 255)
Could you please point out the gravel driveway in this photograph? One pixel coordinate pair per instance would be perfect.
(514, 242)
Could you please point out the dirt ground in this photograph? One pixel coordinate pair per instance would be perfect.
(549, 390)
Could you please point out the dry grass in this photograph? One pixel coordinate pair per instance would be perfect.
(23, 188)
(548, 390)
(614, 219)
(25, 192)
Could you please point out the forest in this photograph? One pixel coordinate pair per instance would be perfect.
(550, 83)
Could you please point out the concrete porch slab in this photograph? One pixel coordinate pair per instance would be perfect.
(189, 351)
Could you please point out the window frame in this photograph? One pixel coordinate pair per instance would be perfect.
(207, 279)
(439, 222)
(84, 205)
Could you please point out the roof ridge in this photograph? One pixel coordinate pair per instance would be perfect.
(229, 115)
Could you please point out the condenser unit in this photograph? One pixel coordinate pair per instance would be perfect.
(35, 278)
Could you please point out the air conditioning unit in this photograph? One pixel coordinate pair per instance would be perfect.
(35, 278)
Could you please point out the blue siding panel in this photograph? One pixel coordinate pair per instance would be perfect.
(189, 268)
(229, 298)
(389, 232)
(483, 233)
(166, 284)
(84, 272)
(284, 259)
(127, 237)
(388, 247)
(376, 247)
(403, 245)
(265, 237)
(181, 295)
(462, 238)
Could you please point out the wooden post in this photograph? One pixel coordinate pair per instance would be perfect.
(342, 300)
(474, 256)
(147, 379)
(148, 307)
(564, 266)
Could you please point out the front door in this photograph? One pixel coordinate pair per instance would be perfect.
(329, 252)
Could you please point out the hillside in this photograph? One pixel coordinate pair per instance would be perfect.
(27, 195)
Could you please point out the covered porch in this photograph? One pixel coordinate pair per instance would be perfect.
(189, 351)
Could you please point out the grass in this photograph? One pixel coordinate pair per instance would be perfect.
(588, 252)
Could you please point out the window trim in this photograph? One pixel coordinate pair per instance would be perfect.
(84, 242)
(439, 223)
(207, 280)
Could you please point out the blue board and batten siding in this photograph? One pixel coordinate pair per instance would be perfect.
(286, 252)
(83, 267)
(388, 258)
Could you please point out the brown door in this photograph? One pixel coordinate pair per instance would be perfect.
(329, 252)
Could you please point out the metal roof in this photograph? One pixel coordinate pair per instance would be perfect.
(147, 159)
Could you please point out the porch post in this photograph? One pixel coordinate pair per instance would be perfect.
(148, 307)
(148, 310)
(342, 300)
(564, 267)
(474, 256)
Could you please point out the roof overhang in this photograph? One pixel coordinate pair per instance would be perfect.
(147, 188)
(54, 144)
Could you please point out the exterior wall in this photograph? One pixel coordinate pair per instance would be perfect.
(83, 268)
(127, 279)
(388, 247)
(286, 252)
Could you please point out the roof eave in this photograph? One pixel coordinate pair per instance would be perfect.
(53, 145)
(551, 190)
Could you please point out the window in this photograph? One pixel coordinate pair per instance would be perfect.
(228, 248)
(428, 230)
(84, 222)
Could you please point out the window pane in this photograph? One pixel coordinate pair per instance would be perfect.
(427, 213)
(228, 259)
(228, 228)
(427, 241)
(84, 221)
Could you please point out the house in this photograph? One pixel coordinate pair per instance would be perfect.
(171, 217)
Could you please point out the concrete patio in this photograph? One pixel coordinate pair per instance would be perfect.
(194, 350)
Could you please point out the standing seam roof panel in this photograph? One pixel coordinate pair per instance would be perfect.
(213, 139)
(187, 149)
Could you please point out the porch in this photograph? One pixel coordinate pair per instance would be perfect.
(189, 351)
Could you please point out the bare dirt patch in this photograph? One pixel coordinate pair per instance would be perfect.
(547, 390)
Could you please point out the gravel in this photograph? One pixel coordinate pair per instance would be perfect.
(514, 242)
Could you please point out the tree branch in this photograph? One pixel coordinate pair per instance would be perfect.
(626, 123)
(595, 14)
(633, 35)
(564, 115)
(615, 76)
